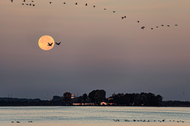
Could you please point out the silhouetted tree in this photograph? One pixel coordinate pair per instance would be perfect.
(118, 99)
(57, 98)
(159, 99)
(100, 96)
(143, 98)
(91, 95)
(97, 96)
(67, 97)
(84, 97)
(80, 99)
(146, 99)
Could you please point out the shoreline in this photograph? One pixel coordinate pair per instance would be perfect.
(95, 106)
(98, 124)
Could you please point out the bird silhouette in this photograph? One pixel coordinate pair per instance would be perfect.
(93, 5)
(50, 44)
(22, 3)
(33, 4)
(137, 21)
(113, 11)
(156, 26)
(151, 28)
(176, 25)
(30, 121)
(32, 1)
(142, 27)
(50, 2)
(64, 3)
(26, 4)
(58, 43)
(17, 122)
(168, 25)
(23, 0)
(30, 4)
(124, 16)
(11, 0)
(116, 120)
(76, 3)
(162, 25)
(86, 4)
(104, 8)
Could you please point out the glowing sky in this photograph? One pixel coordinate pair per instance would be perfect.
(99, 50)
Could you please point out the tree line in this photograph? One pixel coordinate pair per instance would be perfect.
(137, 99)
(120, 99)
(95, 96)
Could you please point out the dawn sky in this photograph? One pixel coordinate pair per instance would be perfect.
(99, 50)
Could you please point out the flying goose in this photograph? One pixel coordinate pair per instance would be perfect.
(50, 44)
(58, 43)
(142, 27)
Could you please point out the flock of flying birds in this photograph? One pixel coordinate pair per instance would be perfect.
(123, 17)
(135, 120)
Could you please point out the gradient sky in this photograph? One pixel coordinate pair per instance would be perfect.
(99, 50)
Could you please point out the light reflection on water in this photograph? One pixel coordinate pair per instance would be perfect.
(92, 114)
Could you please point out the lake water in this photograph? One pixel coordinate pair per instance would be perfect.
(93, 114)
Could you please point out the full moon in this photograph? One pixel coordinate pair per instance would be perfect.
(44, 42)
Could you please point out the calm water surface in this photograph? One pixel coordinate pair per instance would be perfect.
(92, 114)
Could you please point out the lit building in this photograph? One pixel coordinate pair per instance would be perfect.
(72, 96)
(103, 103)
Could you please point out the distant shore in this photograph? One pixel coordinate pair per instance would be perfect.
(52, 103)
(61, 103)
(68, 99)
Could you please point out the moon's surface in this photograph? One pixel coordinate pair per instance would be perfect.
(43, 42)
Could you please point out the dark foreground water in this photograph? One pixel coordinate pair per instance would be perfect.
(94, 115)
